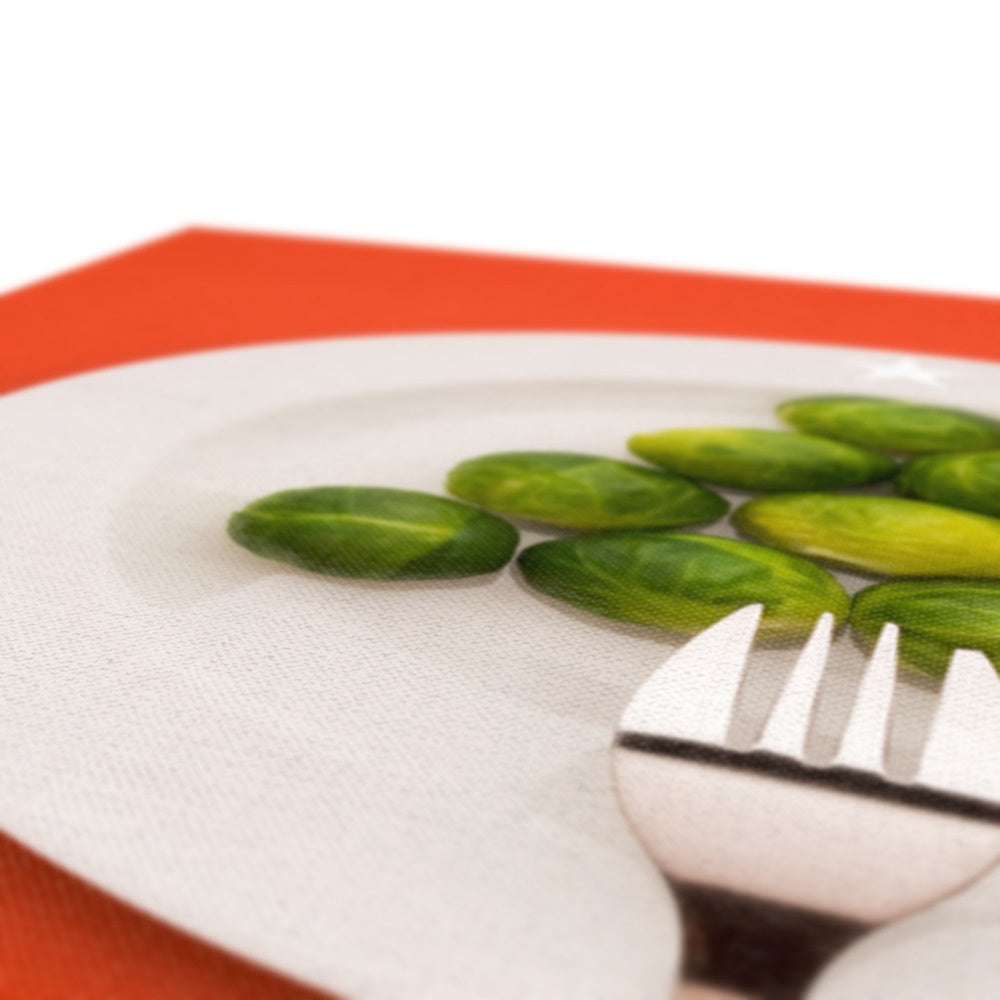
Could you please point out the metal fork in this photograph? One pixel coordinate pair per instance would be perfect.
(778, 863)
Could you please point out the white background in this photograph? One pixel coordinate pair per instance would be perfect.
(852, 141)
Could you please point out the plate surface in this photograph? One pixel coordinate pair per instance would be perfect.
(387, 790)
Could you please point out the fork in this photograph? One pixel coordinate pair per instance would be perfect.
(778, 863)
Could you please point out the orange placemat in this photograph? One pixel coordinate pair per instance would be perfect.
(204, 289)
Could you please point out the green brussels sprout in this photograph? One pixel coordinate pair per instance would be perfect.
(969, 480)
(935, 617)
(374, 533)
(873, 534)
(770, 461)
(890, 425)
(582, 492)
(683, 583)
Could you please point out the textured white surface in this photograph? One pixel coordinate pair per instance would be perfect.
(385, 790)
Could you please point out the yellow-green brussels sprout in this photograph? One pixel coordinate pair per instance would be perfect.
(683, 583)
(769, 461)
(873, 534)
(935, 617)
(374, 533)
(582, 492)
(891, 425)
(970, 480)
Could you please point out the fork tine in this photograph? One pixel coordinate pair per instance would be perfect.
(788, 724)
(692, 694)
(864, 741)
(964, 740)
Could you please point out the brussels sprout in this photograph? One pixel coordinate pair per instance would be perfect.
(771, 461)
(886, 535)
(681, 582)
(374, 533)
(969, 481)
(582, 492)
(935, 617)
(890, 425)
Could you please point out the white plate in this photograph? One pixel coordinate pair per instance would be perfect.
(391, 791)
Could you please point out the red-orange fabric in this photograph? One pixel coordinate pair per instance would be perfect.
(201, 289)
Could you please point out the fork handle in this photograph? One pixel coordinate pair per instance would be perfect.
(694, 991)
(739, 947)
